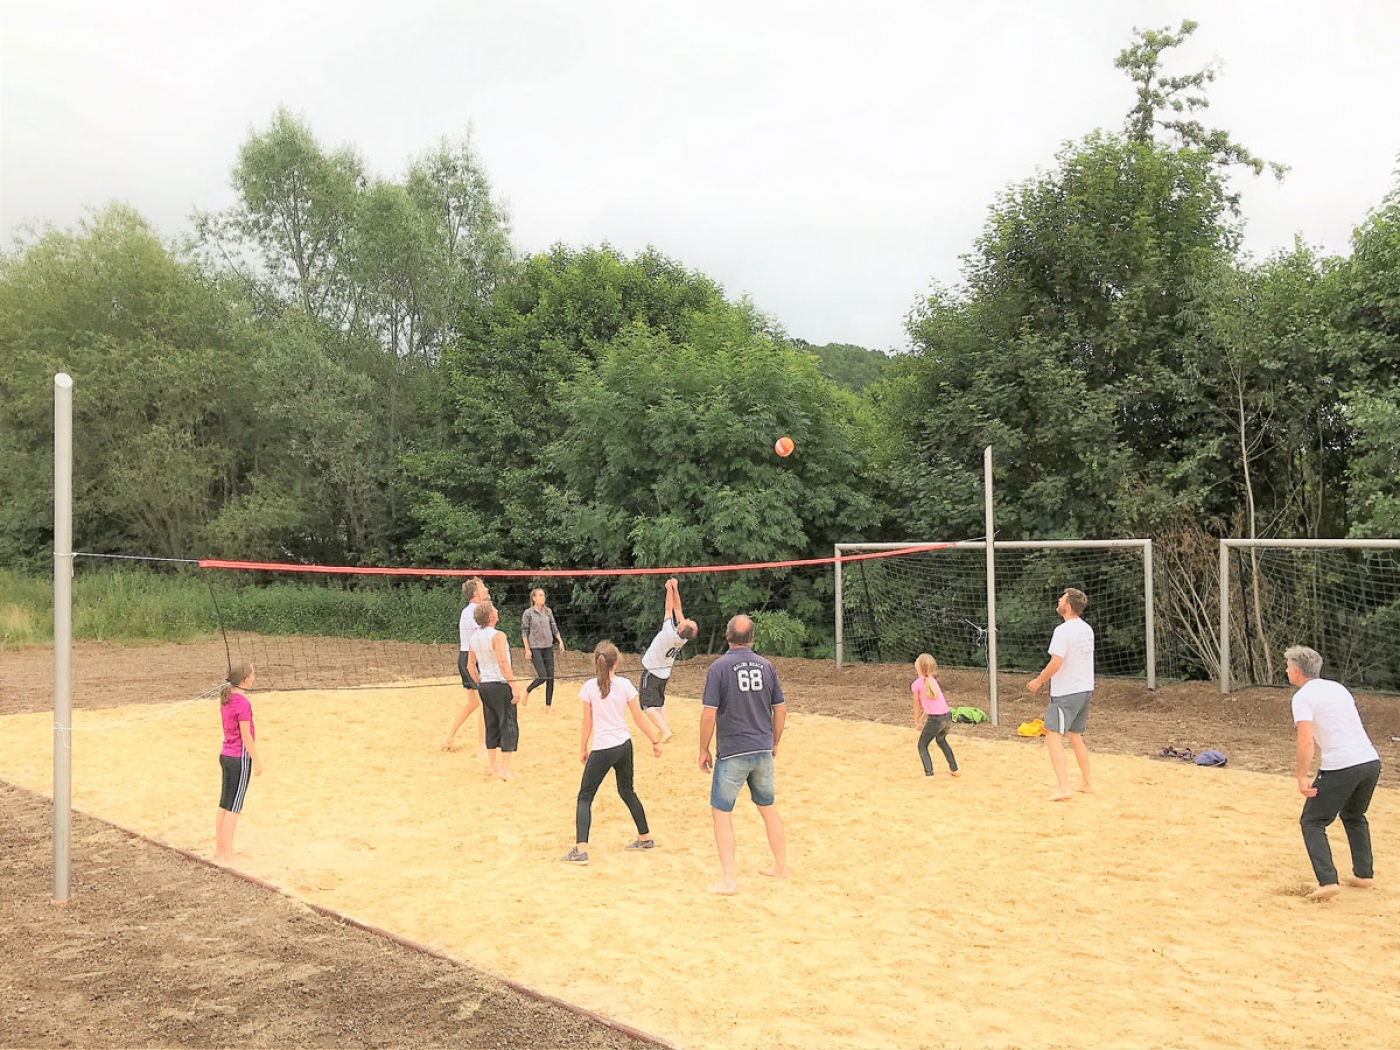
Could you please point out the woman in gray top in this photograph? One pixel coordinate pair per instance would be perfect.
(540, 634)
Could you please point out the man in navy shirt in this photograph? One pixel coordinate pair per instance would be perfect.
(744, 701)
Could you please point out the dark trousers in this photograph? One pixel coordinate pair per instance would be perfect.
(543, 659)
(1345, 793)
(936, 730)
(502, 729)
(618, 759)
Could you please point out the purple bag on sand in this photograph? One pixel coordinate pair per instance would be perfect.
(1211, 758)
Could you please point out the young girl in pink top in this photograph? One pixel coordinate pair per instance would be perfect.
(238, 760)
(931, 713)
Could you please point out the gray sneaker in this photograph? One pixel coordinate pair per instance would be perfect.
(642, 844)
(575, 856)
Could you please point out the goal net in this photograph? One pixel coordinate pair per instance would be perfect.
(1341, 597)
(935, 601)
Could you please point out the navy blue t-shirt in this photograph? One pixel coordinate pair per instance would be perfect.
(743, 689)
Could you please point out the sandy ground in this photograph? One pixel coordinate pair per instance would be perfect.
(924, 911)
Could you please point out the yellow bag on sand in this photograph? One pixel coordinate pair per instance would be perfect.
(1035, 727)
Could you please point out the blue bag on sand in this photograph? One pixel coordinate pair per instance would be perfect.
(1211, 758)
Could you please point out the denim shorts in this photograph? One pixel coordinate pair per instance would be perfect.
(731, 774)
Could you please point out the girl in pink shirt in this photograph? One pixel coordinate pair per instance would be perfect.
(931, 713)
(238, 760)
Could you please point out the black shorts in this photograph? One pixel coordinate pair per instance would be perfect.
(653, 691)
(236, 770)
(467, 681)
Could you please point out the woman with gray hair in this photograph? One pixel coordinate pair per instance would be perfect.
(1326, 716)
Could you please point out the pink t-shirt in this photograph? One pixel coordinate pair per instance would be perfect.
(932, 701)
(236, 710)
(609, 712)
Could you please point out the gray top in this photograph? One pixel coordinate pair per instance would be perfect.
(743, 688)
(537, 627)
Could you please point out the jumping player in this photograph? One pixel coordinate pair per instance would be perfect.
(661, 655)
(473, 592)
(238, 760)
(605, 699)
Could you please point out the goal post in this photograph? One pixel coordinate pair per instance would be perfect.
(933, 602)
(1342, 597)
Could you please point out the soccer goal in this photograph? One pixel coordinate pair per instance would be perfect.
(939, 601)
(1341, 597)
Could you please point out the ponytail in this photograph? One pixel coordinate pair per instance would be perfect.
(237, 674)
(604, 662)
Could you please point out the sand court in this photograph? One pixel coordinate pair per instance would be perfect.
(923, 911)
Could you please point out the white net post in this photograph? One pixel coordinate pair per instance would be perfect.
(991, 584)
(837, 598)
(62, 631)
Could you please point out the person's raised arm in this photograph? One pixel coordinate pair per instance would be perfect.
(1305, 757)
(673, 600)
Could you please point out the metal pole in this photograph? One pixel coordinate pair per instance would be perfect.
(839, 609)
(62, 631)
(1150, 615)
(991, 584)
(1224, 616)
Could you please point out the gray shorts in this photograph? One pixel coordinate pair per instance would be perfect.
(1068, 713)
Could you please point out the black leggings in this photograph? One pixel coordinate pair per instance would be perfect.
(543, 659)
(618, 759)
(936, 729)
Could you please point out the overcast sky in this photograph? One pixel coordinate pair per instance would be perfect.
(829, 159)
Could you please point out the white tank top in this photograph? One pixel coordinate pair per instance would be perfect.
(487, 668)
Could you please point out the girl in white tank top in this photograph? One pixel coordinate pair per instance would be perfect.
(488, 668)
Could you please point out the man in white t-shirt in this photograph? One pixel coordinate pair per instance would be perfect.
(1071, 675)
(1326, 715)
(675, 631)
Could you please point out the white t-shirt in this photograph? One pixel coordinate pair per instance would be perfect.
(467, 626)
(664, 649)
(487, 667)
(609, 712)
(1337, 727)
(1073, 641)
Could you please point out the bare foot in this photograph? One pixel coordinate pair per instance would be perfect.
(1323, 893)
(1060, 796)
(723, 888)
(954, 772)
(448, 745)
(492, 771)
(481, 752)
(666, 738)
(773, 872)
(505, 774)
(1361, 884)
(1085, 789)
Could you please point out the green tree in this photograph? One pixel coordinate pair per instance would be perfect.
(157, 354)
(479, 478)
